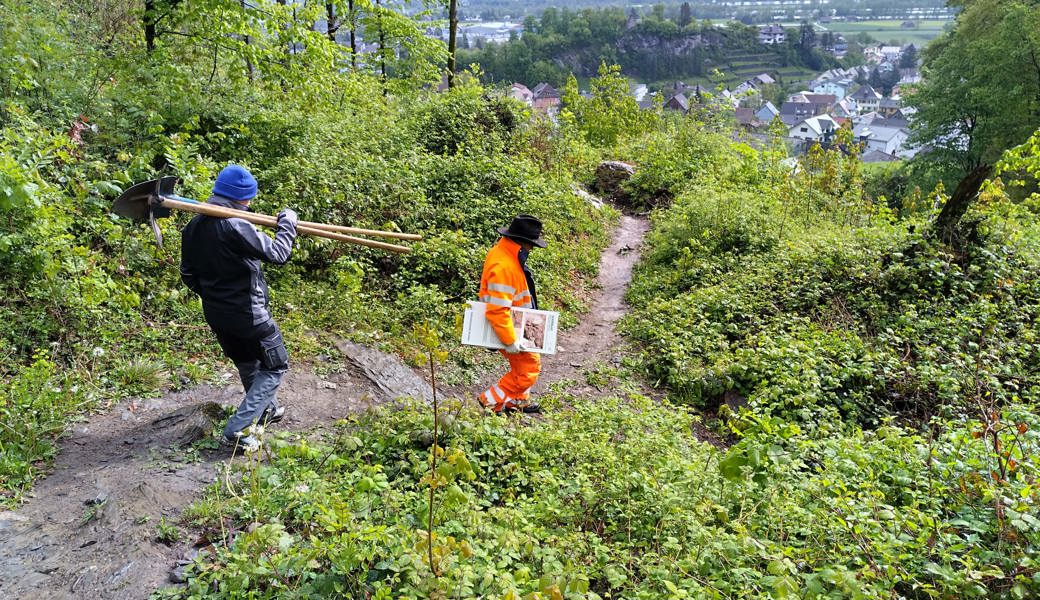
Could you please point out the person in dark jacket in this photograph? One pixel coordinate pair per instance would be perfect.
(220, 261)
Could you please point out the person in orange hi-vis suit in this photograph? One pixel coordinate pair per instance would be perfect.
(505, 283)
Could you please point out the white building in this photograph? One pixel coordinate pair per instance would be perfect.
(771, 34)
(845, 108)
(867, 99)
(813, 129)
(889, 140)
(521, 93)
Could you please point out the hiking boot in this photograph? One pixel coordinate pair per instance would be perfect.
(528, 409)
(242, 443)
(267, 418)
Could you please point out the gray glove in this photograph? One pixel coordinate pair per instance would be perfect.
(288, 215)
(516, 347)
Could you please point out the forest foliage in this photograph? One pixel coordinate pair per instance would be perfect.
(653, 48)
(872, 389)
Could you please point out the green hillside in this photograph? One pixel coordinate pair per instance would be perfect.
(823, 381)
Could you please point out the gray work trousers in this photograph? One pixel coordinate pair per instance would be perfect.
(260, 356)
(261, 385)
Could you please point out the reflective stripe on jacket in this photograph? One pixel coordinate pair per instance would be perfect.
(503, 285)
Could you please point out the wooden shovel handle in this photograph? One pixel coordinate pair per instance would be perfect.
(328, 226)
(357, 231)
(269, 221)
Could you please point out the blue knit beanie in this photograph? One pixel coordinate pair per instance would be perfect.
(235, 182)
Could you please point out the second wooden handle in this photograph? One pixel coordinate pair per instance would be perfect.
(269, 221)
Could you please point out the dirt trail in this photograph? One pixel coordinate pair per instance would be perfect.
(90, 527)
(595, 340)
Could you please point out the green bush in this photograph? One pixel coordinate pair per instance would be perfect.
(616, 499)
(34, 407)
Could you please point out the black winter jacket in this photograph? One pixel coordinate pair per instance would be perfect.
(220, 261)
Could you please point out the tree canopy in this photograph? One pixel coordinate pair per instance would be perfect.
(980, 93)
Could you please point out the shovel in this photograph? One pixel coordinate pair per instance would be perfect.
(151, 200)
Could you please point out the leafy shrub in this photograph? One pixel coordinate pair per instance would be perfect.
(465, 119)
(34, 406)
(812, 312)
(616, 499)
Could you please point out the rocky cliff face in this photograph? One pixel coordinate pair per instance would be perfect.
(649, 55)
(677, 46)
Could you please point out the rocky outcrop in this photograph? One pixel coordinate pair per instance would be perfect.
(680, 45)
(189, 424)
(592, 200)
(611, 176)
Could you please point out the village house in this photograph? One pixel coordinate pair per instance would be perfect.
(909, 76)
(749, 93)
(828, 76)
(836, 87)
(905, 113)
(546, 98)
(745, 118)
(761, 80)
(880, 54)
(730, 97)
(866, 99)
(767, 113)
(889, 107)
(745, 88)
(845, 108)
(828, 99)
(522, 93)
(841, 47)
(695, 93)
(891, 53)
(886, 135)
(678, 102)
(792, 113)
(771, 34)
(883, 138)
(814, 130)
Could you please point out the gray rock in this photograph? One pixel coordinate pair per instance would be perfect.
(387, 372)
(592, 200)
(189, 424)
(734, 400)
(611, 176)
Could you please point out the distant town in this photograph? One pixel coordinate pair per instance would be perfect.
(835, 98)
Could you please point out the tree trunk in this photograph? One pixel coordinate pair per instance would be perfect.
(149, 25)
(382, 44)
(352, 19)
(330, 21)
(949, 218)
(250, 68)
(152, 18)
(453, 27)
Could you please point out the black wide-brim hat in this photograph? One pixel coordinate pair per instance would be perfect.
(524, 228)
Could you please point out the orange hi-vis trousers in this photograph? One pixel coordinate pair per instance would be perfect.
(512, 390)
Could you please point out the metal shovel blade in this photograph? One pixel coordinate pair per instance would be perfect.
(141, 202)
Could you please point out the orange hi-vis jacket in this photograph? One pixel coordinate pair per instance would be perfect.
(503, 285)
